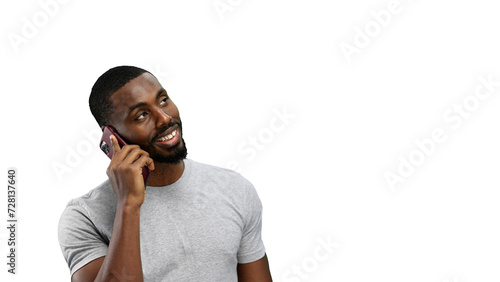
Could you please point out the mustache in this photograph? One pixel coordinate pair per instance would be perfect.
(166, 127)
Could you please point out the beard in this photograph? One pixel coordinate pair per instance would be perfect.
(175, 154)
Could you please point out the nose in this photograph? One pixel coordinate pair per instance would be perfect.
(162, 118)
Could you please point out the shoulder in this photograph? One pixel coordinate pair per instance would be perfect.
(212, 170)
(222, 176)
(85, 226)
(98, 198)
(96, 207)
(223, 182)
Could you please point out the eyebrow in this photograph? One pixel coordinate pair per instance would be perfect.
(140, 104)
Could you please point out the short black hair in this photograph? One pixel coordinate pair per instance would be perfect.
(107, 84)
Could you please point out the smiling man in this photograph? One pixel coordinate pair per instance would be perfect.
(192, 222)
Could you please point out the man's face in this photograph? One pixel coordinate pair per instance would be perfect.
(144, 115)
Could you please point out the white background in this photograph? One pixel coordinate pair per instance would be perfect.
(321, 176)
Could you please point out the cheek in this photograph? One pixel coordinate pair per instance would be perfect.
(173, 111)
(139, 135)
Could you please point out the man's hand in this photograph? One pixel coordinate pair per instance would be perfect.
(125, 173)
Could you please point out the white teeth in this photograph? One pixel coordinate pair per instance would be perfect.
(168, 137)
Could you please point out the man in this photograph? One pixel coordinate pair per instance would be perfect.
(193, 222)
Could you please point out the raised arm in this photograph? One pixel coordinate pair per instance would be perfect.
(123, 258)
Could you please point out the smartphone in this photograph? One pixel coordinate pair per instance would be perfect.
(107, 148)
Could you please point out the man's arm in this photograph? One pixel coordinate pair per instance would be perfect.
(88, 272)
(123, 258)
(257, 271)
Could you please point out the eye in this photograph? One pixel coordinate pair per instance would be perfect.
(163, 101)
(142, 115)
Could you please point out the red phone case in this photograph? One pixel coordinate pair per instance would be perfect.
(107, 148)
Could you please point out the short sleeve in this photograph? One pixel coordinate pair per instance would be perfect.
(251, 246)
(79, 239)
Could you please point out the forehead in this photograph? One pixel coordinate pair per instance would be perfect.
(139, 90)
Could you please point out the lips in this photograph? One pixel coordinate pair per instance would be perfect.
(167, 137)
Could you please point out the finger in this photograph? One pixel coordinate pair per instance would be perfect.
(132, 153)
(150, 163)
(114, 143)
(144, 160)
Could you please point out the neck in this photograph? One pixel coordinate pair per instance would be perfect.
(165, 174)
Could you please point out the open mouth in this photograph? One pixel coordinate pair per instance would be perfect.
(167, 137)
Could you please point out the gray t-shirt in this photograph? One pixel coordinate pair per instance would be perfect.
(196, 229)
